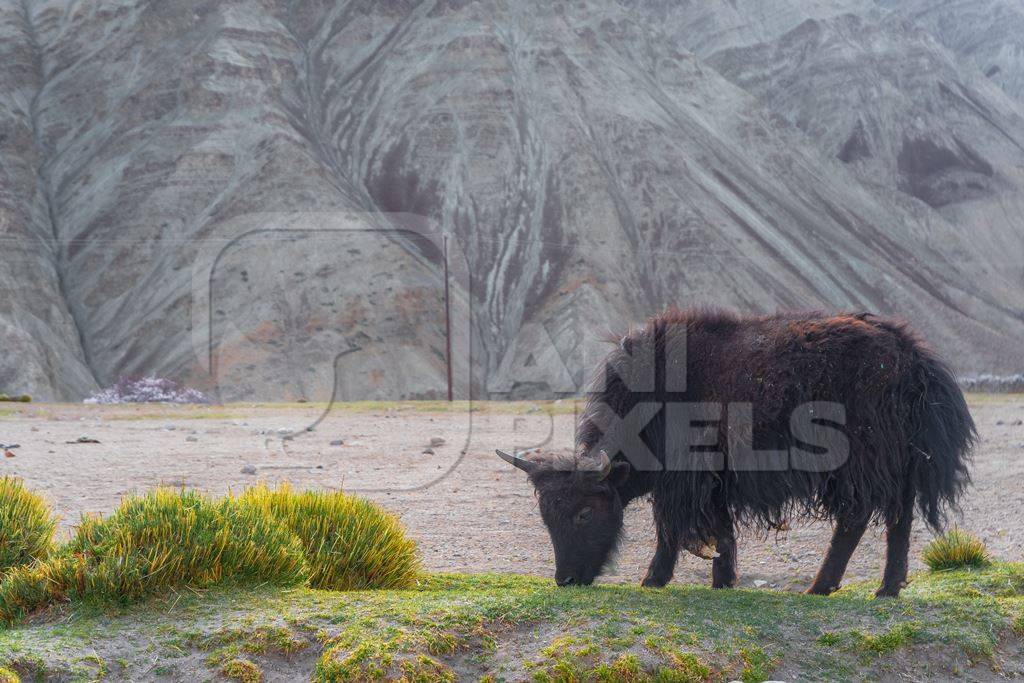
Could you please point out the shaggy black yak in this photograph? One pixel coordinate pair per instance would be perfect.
(726, 421)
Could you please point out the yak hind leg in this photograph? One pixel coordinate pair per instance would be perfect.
(845, 537)
(663, 564)
(897, 547)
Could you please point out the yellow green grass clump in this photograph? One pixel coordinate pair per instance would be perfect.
(169, 539)
(26, 525)
(350, 543)
(955, 549)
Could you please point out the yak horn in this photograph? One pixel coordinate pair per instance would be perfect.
(606, 463)
(525, 465)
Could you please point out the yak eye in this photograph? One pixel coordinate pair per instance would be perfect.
(584, 515)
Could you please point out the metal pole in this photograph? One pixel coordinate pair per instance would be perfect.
(447, 320)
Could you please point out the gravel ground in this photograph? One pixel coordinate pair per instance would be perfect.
(469, 511)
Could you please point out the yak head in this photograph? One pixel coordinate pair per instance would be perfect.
(581, 507)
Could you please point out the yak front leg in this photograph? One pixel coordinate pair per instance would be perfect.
(845, 538)
(723, 566)
(664, 562)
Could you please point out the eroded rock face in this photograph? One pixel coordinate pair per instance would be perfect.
(987, 33)
(40, 351)
(905, 114)
(220, 192)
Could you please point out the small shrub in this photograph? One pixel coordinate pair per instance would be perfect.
(26, 525)
(24, 398)
(8, 676)
(350, 543)
(955, 549)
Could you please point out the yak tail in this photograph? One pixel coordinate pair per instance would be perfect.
(942, 434)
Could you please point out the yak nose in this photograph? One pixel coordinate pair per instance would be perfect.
(565, 580)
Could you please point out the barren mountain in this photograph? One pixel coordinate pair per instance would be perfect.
(251, 197)
(886, 99)
(988, 33)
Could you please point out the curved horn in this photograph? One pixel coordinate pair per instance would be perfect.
(525, 465)
(605, 463)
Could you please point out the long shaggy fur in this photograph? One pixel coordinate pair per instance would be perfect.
(907, 424)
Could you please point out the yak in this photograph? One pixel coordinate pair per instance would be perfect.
(727, 422)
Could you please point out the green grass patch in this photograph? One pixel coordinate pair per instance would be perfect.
(451, 627)
(955, 549)
(26, 525)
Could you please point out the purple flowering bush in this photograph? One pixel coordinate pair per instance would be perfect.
(147, 390)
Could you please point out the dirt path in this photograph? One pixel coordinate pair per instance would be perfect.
(470, 513)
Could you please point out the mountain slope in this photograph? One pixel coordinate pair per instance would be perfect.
(40, 349)
(988, 33)
(232, 188)
(889, 101)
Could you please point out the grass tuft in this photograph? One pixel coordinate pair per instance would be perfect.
(241, 670)
(26, 525)
(182, 538)
(757, 666)
(164, 540)
(172, 539)
(955, 549)
(900, 635)
(350, 543)
(686, 668)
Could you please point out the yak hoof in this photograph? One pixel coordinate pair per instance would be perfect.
(653, 582)
(890, 591)
(819, 590)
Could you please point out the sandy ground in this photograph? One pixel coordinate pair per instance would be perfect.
(469, 511)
